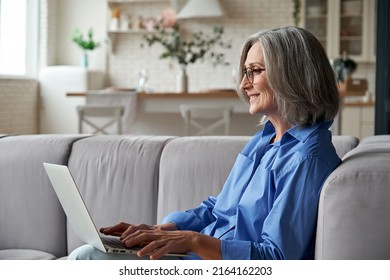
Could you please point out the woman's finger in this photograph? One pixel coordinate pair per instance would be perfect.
(117, 229)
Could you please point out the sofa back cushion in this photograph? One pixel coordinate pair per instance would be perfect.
(344, 143)
(117, 177)
(193, 168)
(31, 216)
(353, 215)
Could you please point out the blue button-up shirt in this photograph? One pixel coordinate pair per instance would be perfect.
(267, 208)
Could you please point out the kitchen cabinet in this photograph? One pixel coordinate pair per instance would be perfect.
(342, 26)
(358, 119)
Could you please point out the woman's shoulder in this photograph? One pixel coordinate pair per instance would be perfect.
(312, 141)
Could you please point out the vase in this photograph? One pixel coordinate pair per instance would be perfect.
(84, 60)
(182, 80)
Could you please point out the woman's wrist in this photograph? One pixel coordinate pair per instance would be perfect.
(205, 246)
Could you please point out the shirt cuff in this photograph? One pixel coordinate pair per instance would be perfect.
(183, 220)
(235, 250)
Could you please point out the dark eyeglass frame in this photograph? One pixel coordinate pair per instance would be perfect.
(250, 73)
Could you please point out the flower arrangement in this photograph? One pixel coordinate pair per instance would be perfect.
(192, 50)
(85, 44)
(187, 49)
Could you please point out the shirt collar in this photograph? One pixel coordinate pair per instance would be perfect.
(300, 133)
(268, 129)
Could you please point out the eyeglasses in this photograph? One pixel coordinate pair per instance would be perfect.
(250, 73)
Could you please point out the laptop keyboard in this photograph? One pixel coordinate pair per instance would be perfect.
(112, 242)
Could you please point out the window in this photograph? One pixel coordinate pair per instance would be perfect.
(18, 37)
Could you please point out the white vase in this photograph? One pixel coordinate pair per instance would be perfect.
(182, 80)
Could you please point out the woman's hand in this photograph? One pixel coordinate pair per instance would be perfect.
(159, 240)
(124, 229)
(158, 243)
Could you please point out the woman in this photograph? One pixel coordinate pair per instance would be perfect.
(267, 208)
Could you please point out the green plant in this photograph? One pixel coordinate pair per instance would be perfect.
(297, 12)
(85, 44)
(344, 66)
(197, 47)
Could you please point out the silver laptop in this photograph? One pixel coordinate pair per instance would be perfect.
(78, 214)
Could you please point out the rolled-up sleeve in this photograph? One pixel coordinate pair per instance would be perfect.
(193, 219)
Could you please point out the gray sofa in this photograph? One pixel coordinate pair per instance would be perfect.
(142, 178)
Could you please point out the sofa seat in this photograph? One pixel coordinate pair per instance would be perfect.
(25, 254)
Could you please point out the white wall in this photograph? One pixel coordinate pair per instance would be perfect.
(242, 18)
(18, 106)
(82, 14)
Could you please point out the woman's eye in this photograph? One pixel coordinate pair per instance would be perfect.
(257, 71)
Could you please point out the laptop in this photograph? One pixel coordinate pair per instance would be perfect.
(78, 214)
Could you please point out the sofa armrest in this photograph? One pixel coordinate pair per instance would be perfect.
(354, 207)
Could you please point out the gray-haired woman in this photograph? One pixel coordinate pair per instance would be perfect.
(267, 208)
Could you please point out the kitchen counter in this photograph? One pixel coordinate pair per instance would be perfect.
(169, 102)
(159, 113)
(359, 104)
(158, 95)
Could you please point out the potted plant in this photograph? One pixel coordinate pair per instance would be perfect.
(344, 67)
(86, 44)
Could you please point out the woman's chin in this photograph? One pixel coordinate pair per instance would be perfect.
(254, 111)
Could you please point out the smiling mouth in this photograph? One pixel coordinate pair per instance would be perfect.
(253, 96)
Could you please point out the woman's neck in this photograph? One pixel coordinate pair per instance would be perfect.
(281, 126)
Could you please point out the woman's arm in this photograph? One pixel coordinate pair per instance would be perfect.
(193, 219)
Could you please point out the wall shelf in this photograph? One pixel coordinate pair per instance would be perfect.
(130, 31)
(131, 14)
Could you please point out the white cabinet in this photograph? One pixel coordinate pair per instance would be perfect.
(342, 25)
(358, 120)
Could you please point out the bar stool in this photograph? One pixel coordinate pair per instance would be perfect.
(205, 118)
(100, 118)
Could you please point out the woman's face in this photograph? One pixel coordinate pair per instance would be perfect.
(261, 97)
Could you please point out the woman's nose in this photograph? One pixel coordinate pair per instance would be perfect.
(244, 83)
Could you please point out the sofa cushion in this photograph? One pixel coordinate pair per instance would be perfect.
(354, 205)
(30, 214)
(118, 178)
(193, 168)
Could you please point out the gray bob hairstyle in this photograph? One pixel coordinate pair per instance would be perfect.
(298, 71)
